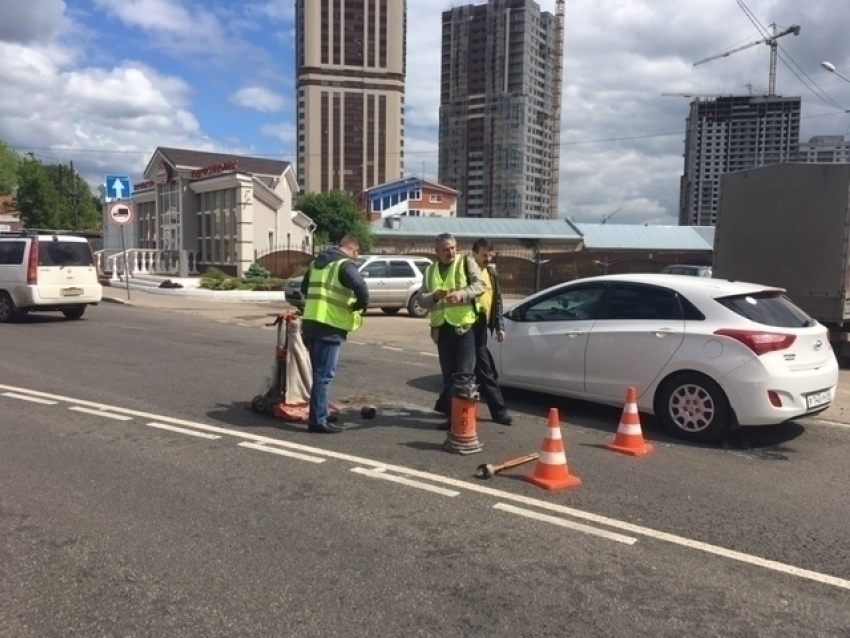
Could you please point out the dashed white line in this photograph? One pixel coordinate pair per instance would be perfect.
(358, 343)
(174, 428)
(587, 529)
(96, 412)
(381, 474)
(428, 354)
(282, 452)
(23, 397)
(393, 348)
(638, 530)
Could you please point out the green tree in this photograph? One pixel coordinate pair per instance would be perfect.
(51, 196)
(9, 161)
(336, 215)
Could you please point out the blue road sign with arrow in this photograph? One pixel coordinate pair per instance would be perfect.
(118, 187)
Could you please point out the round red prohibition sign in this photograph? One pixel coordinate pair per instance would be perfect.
(121, 213)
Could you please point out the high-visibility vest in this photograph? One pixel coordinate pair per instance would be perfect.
(328, 301)
(462, 314)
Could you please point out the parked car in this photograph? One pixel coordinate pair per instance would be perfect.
(687, 269)
(394, 282)
(703, 354)
(41, 272)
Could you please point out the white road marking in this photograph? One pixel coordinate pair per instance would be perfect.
(835, 424)
(638, 530)
(99, 411)
(359, 343)
(23, 397)
(280, 452)
(174, 428)
(596, 531)
(428, 354)
(381, 474)
(393, 348)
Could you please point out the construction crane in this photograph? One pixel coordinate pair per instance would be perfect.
(555, 120)
(605, 218)
(769, 41)
(749, 87)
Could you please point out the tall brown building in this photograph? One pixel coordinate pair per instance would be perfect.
(350, 67)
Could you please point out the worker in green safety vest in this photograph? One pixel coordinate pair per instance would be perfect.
(450, 290)
(336, 296)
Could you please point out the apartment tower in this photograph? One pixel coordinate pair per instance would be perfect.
(726, 134)
(350, 68)
(497, 97)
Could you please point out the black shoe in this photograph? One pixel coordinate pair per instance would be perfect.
(445, 425)
(325, 429)
(503, 419)
(441, 408)
(333, 418)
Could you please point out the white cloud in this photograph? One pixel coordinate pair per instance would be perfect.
(284, 132)
(30, 20)
(260, 99)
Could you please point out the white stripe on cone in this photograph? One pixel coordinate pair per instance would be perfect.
(629, 429)
(552, 458)
(554, 434)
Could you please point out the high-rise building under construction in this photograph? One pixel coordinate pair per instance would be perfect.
(499, 99)
(732, 133)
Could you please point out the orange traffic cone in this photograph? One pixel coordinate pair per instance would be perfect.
(629, 437)
(551, 472)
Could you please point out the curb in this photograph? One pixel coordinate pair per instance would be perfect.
(116, 300)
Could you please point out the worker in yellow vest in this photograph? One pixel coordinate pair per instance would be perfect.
(489, 322)
(450, 290)
(336, 295)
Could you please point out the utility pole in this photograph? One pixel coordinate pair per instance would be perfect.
(73, 196)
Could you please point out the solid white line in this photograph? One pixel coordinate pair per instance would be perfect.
(639, 530)
(429, 354)
(359, 343)
(596, 531)
(23, 397)
(381, 474)
(173, 428)
(294, 455)
(100, 412)
(835, 424)
(393, 348)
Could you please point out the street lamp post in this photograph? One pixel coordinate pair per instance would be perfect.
(829, 66)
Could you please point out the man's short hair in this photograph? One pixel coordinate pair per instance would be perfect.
(444, 238)
(349, 241)
(482, 246)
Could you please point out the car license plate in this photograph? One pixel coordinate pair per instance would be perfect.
(71, 292)
(817, 399)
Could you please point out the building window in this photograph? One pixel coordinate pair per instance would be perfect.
(436, 199)
(416, 195)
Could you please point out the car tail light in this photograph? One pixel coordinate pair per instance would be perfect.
(774, 399)
(32, 264)
(760, 342)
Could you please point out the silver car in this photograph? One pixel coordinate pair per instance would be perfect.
(394, 282)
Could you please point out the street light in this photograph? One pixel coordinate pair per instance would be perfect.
(829, 66)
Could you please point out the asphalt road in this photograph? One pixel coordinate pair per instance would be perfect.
(139, 498)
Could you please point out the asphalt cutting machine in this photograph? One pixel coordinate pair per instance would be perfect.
(285, 393)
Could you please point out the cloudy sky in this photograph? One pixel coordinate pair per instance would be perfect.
(102, 83)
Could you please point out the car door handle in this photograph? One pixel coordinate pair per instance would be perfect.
(664, 332)
(574, 333)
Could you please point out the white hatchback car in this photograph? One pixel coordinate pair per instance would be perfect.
(703, 354)
(41, 272)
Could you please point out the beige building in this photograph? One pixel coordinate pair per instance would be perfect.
(350, 66)
(213, 209)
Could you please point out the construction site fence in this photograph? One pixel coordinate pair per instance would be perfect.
(521, 272)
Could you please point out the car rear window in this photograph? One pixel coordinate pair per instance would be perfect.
(767, 308)
(64, 253)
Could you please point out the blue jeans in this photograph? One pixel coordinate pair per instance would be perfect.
(324, 356)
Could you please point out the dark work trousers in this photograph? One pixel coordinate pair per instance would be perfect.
(485, 370)
(457, 361)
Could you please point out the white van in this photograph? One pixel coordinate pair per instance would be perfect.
(46, 272)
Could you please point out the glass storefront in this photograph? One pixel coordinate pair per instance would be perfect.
(217, 228)
(169, 216)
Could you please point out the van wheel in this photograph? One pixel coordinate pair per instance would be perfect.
(693, 407)
(8, 312)
(74, 313)
(415, 309)
(390, 311)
